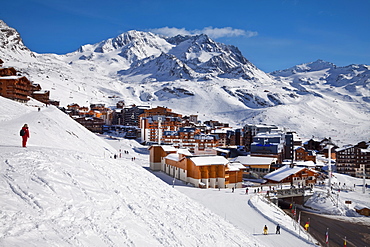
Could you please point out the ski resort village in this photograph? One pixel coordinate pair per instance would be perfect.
(145, 140)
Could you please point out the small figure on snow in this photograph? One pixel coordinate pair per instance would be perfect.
(25, 135)
(246, 191)
(278, 229)
(265, 230)
(307, 225)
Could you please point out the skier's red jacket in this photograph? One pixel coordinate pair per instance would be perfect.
(26, 132)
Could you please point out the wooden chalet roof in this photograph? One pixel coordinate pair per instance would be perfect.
(283, 173)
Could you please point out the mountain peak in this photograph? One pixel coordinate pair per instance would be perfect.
(316, 65)
(305, 67)
(10, 39)
(199, 56)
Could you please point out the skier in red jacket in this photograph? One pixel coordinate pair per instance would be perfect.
(26, 135)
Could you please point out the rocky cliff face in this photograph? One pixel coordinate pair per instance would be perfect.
(10, 40)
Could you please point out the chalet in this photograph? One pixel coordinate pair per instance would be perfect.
(54, 103)
(15, 88)
(42, 96)
(73, 109)
(205, 171)
(92, 123)
(354, 160)
(8, 71)
(294, 175)
(100, 111)
(363, 210)
(302, 154)
(258, 166)
(201, 171)
(35, 87)
(319, 146)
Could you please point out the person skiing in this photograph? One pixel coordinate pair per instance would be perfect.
(25, 135)
(278, 229)
(265, 230)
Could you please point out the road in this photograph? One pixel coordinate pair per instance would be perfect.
(356, 233)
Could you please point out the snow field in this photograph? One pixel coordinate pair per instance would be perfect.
(70, 192)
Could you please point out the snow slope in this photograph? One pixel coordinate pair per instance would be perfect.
(64, 189)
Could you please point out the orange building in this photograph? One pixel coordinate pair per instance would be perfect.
(201, 171)
(159, 111)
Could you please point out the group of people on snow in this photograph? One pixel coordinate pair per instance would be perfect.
(265, 229)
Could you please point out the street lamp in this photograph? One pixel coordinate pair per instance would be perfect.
(329, 144)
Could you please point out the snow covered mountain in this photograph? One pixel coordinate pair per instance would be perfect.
(196, 75)
(163, 59)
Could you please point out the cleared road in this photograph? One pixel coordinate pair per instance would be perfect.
(357, 232)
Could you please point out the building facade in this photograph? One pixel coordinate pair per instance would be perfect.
(269, 144)
(15, 87)
(354, 160)
(201, 171)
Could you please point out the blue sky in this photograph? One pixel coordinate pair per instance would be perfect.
(272, 34)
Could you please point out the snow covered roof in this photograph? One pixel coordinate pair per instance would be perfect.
(283, 172)
(169, 148)
(209, 160)
(41, 92)
(176, 156)
(309, 163)
(184, 151)
(252, 160)
(221, 150)
(173, 156)
(235, 166)
(221, 130)
(11, 77)
(365, 150)
(269, 135)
